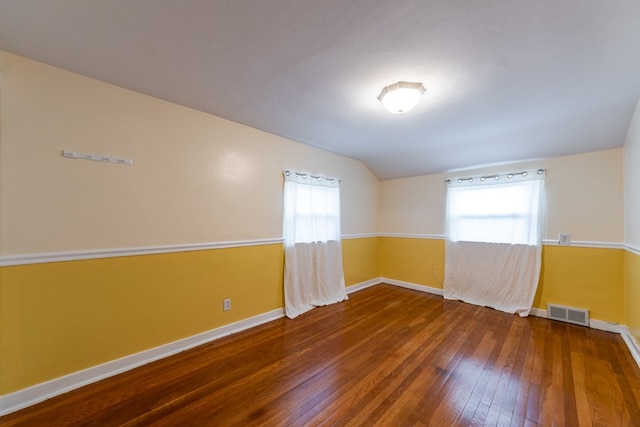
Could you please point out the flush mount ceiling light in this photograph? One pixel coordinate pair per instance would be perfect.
(402, 96)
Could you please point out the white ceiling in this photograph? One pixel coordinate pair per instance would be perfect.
(506, 80)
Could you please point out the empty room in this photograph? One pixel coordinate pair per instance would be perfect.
(400, 213)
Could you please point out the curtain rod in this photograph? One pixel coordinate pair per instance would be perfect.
(496, 176)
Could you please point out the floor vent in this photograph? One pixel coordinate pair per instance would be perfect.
(577, 316)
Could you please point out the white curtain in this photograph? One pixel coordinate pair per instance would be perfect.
(494, 240)
(313, 274)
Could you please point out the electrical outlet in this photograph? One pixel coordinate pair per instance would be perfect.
(564, 239)
(226, 304)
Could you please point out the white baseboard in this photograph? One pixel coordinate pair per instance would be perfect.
(632, 343)
(538, 312)
(363, 285)
(43, 391)
(602, 325)
(414, 286)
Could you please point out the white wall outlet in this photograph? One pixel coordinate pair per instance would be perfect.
(564, 239)
(226, 304)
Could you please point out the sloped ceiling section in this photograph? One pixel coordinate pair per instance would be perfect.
(506, 80)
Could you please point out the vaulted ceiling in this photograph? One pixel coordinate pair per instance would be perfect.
(506, 80)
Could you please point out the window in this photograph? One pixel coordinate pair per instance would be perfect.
(311, 211)
(495, 213)
(313, 274)
(493, 241)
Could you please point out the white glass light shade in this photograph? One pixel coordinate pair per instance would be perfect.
(402, 96)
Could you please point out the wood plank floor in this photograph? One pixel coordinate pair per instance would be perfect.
(388, 356)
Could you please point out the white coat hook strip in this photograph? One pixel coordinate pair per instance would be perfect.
(318, 178)
(96, 157)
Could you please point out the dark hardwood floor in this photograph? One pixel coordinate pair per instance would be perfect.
(388, 356)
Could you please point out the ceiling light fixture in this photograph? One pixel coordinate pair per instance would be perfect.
(401, 97)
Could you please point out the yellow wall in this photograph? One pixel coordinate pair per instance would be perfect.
(58, 318)
(590, 278)
(413, 260)
(360, 259)
(632, 293)
(62, 317)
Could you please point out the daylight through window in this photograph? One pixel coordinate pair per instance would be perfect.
(495, 213)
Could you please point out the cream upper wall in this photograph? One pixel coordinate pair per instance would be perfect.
(199, 178)
(413, 205)
(195, 177)
(632, 181)
(584, 198)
